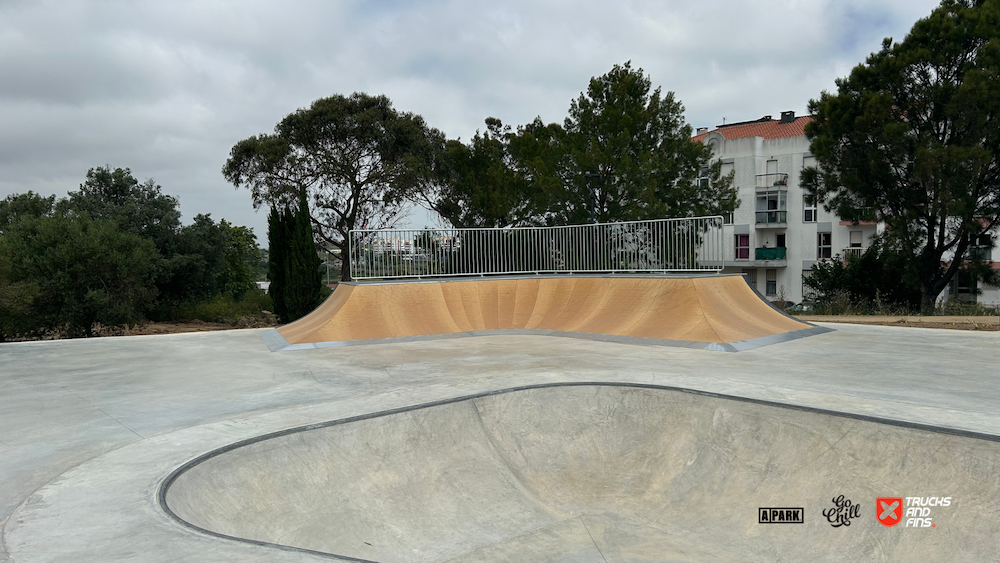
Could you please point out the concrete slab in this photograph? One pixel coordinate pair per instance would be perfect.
(518, 471)
(90, 428)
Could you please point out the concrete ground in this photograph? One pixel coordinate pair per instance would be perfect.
(90, 428)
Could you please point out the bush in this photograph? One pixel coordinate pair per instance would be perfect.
(255, 304)
(871, 284)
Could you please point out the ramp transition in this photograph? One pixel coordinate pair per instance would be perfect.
(718, 312)
(601, 473)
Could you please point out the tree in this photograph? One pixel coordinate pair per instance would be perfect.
(68, 272)
(302, 263)
(912, 136)
(478, 183)
(277, 242)
(241, 259)
(624, 153)
(359, 161)
(296, 281)
(15, 207)
(140, 208)
(877, 276)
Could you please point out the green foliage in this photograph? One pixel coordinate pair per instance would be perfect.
(278, 235)
(624, 153)
(636, 142)
(139, 208)
(112, 254)
(294, 269)
(19, 206)
(358, 160)
(912, 135)
(225, 308)
(479, 185)
(70, 272)
(241, 259)
(873, 282)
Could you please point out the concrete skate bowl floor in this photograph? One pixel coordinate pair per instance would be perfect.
(594, 472)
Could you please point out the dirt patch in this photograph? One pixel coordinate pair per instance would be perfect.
(952, 323)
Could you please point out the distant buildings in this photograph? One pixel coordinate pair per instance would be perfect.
(775, 237)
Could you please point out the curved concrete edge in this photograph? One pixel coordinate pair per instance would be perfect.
(106, 508)
(277, 343)
(163, 489)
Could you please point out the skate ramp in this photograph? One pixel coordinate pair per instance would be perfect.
(719, 312)
(595, 473)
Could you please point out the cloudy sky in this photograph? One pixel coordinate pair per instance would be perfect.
(166, 88)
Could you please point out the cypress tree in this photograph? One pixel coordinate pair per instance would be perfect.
(277, 261)
(303, 292)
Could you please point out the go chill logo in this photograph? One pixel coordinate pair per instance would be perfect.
(915, 511)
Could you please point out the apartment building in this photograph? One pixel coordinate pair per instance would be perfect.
(775, 237)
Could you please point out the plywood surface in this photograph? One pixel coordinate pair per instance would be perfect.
(716, 309)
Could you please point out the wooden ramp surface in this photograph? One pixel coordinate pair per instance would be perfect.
(717, 309)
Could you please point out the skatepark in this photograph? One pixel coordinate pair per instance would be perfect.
(605, 418)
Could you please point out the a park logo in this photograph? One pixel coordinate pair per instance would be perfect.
(889, 510)
(842, 512)
(780, 515)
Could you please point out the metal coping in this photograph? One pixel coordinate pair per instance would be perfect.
(161, 493)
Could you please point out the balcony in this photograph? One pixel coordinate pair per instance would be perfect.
(859, 216)
(855, 251)
(776, 253)
(773, 257)
(774, 218)
(773, 180)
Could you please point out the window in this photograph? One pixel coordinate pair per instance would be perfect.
(751, 275)
(742, 247)
(855, 239)
(703, 178)
(808, 209)
(772, 282)
(824, 245)
(780, 237)
(727, 218)
(809, 213)
(771, 207)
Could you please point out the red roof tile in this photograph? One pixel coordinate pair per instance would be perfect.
(770, 129)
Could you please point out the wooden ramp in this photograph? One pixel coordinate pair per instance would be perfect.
(719, 312)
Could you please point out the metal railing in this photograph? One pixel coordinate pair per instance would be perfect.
(694, 244)
(772, 180)
(855, 251)
(766, 217)
(773, 253)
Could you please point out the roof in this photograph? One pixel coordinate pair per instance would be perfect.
(765, 127)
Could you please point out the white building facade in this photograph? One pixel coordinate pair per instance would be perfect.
(774, 237)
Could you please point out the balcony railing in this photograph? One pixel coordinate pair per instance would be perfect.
(773, 180)
(776, 253)
(772, 217)
(855, 251)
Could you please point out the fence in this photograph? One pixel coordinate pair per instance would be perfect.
(658, 246)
